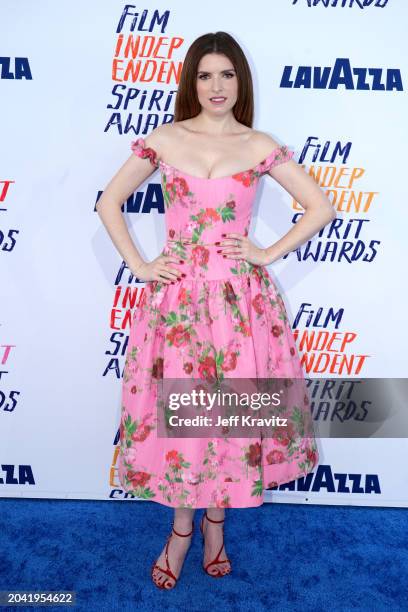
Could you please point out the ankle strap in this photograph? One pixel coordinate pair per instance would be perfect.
(184, 535)
(212, 520)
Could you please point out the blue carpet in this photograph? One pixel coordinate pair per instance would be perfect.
(284, 557)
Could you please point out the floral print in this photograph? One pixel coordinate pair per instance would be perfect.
(224, 319)
(280, 155)
(138, 147)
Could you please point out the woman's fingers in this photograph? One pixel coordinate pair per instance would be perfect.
(232, 248)
(231, 242)
(170, 273)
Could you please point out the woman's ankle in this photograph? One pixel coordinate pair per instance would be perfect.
(183, 520)
(182, 527)
(216, 514)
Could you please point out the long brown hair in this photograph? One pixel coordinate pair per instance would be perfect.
(187, 104)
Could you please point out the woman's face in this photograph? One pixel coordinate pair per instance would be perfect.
(217, 83)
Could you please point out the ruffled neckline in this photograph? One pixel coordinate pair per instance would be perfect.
(280, 153)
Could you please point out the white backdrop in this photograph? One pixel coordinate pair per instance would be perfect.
(65, 131)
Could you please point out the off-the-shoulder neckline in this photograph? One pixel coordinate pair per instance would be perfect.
(210, 178)
(213, 178)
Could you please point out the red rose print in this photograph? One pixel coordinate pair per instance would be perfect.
(151, 154)
(188, 367)
(142, 151)
(244, 177)
(178, 336)
(275, 456)
(157, 369)
(253, 456)
(201, 218)
(244, 329)
(207, 369)
(200, 255)
(277, 330)
(210, 215)
(284, 435)
(138, 478)
(230, 361)
(311, 456)
(183, 296)
(258, 303)
(174, 459)
(230, 204)
(141, 433)
(171, 233)
(257, 274)
(180, 186)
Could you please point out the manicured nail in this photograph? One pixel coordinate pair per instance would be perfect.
(218, 250)
(224, 255)
(184, 274)
(217, 242)
(181, 260)
(223, 235)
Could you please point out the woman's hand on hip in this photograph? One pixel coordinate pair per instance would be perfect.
(238, 246)
(159, 269)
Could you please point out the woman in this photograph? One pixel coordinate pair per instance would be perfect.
(222, 316)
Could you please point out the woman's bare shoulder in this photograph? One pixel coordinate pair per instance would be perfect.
(162, 137)
(262, 142)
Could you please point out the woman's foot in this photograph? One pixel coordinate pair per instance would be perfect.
(177, 548)
(213, 537)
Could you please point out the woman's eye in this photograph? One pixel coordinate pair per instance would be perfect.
(227, 74)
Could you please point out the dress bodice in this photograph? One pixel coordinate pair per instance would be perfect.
(198, 210)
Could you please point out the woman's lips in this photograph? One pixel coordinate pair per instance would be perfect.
(217, 100)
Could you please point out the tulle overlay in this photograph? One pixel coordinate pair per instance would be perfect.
(224, 319)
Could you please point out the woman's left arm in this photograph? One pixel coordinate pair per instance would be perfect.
(319, 210)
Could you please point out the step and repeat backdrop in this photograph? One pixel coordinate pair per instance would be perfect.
(79, 82)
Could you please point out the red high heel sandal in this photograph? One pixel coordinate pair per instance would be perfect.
(216, 561)
(168, 570)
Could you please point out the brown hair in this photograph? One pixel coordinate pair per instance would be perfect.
(187, 104)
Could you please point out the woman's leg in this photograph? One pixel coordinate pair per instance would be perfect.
(178, 547)
(213, 534)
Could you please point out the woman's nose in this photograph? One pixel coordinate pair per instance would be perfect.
(216, 85)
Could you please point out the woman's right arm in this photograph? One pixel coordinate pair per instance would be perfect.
(125, 182)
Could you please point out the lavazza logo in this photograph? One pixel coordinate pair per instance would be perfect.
(342, 74)
(323, 479)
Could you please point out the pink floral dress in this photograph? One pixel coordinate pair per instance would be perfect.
(225, 318)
